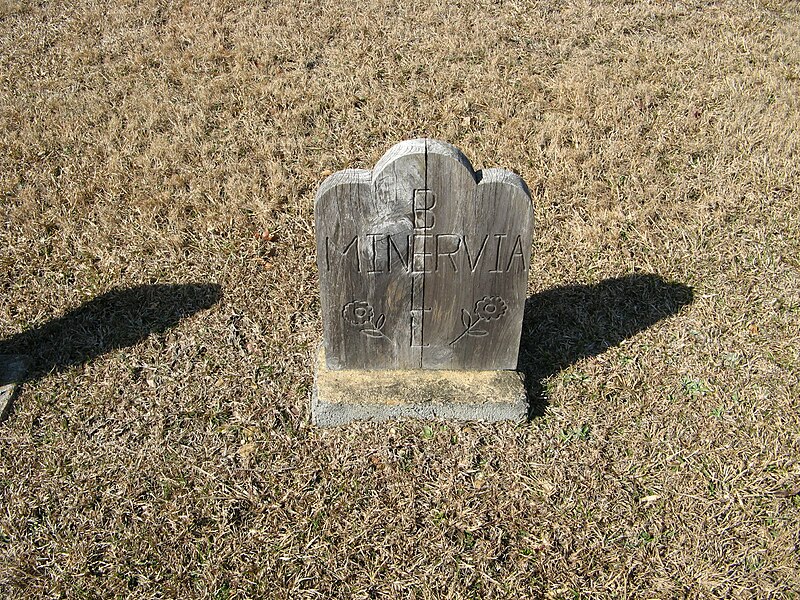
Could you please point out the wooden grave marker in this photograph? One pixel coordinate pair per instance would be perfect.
(423, 263)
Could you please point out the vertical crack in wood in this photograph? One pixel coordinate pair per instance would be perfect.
(424, 258)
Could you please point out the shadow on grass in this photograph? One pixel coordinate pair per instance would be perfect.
(117, 319)
(567, 323)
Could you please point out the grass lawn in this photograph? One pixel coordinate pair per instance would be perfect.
(158, 166)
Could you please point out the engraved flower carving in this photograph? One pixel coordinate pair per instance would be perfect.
(490, 307)
(358, 313)
(487, 309)
(361, 314)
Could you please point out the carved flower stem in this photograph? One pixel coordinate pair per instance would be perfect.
(374, 329)
(467, 330)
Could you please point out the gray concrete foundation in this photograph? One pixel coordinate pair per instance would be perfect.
(340, 397)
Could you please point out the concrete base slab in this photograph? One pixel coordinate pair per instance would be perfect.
(12, 370)
(343, 396)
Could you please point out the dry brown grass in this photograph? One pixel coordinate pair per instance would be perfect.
(153, 142)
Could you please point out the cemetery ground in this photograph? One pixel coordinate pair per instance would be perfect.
(158, 166)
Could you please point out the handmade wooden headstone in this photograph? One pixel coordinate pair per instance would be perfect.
(423, 267)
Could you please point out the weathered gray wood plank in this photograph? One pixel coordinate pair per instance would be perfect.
(364, 242)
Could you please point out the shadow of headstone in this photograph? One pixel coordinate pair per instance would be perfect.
(116, 319)
(567, 323)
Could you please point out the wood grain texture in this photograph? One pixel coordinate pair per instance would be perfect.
(423, 263)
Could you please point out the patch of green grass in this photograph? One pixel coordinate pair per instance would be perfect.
(581, 433)
(695, 387)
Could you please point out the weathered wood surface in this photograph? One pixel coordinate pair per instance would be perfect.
(12, 372)
(423, 262)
